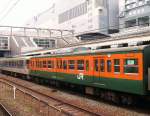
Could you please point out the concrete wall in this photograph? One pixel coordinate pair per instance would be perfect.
(99, 18)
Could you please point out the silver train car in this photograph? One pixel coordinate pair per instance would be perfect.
(15, 66)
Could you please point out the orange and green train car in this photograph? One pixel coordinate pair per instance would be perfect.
(122, 70)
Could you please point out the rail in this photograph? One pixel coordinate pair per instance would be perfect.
(5, 110)
(49, 108)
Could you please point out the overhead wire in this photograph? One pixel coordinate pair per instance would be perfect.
(9, 10)
(6, 6)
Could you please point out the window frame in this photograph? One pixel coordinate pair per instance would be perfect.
(131, 65)
(102, 65)
(81, 64)
(71, 64)
(109, 66)
(117, 65)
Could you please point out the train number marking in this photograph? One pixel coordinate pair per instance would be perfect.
(80, 76)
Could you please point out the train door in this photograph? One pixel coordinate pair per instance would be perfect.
(96, 68)
(99, 68)
(108, 67)
(59, 66)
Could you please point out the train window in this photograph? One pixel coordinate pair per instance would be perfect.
(52, 64)
(13, 64)
(60, 63)
(108, 65)
(36, 63)
(20, 63)
(131, 66)
(40, 64)
(80, 64)
(87, 65)
(116, 65)
(33, 64)
(49, 64)
(64, 64)
(44, 64)
(16, 63)
(102, 65)
(96, 65)
(71, 64)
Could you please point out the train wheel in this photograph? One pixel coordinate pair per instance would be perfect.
(127, 100)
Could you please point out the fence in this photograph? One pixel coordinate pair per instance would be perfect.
(22, 103)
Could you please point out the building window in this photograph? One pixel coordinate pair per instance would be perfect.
(99, 3)
(4, 43)
(73, 13)
(45, 43)
(143, 21)
(131, 66)
(130, 23)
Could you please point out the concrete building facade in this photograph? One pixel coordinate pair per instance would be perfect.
(82, 16)
(134, 13)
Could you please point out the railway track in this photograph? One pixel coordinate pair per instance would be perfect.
(4, 111)
(61, 105)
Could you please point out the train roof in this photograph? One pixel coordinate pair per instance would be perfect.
(108, 50)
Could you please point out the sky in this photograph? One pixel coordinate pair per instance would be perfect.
(18, 12)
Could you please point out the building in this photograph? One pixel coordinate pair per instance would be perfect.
(4, 46)
(18, 40)
(134, 13)
(85, 17)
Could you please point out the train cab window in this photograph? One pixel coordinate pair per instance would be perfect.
(108, 65)
(71, 64)
(102, 65)
(116, 65)
(87, 65)
(80, 64)
(64, 64)
(131, 66)
(44, 64)
(96, 65)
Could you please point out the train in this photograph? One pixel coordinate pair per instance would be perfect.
(117, 74)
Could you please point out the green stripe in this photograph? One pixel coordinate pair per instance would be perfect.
(122, 85)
